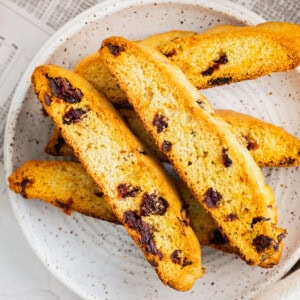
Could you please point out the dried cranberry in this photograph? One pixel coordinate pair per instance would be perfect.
(63, 89)
(226, 159)
(170, 53)
(177, 258)
(159, 122)
(222, 60)
(262, 242)
(134, 221)
(153, 205)
(114, 49)
(258, 219)
(208, 72)
(251, 145)
(24, 183)
(166, 146)
(47, 99)
(74, 115)
(126, 190)
(231, 217)
(216, 65)
(212, 198)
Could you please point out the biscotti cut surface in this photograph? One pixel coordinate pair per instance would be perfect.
(218, 170)
(230, 54)
(136, 187)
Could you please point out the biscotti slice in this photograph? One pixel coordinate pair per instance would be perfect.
(91, 68)
(223, 56)
(62, 184)
(137, 188)
(204, 152)
(57, 146)
(67, 186)
(269, 145)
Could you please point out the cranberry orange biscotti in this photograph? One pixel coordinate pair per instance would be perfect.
(204, 152)
(91, 68)
(269, 145)
(63, 184)
(66, 185)
(137, 188)
(232, 54)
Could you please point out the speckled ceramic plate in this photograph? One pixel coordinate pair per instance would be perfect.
(98, 260)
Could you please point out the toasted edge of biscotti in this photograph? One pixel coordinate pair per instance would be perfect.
(227, 54)
(62, 184)
(269, 145)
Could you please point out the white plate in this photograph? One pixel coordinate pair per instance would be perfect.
(97, 260)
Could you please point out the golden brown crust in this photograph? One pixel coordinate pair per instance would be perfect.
(269, 145)
(228, 54)
(215, 166)
(62, 184)
(224, 54)
(138, 190)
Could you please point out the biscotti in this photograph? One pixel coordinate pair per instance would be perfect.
(221, 55)
(63, 184)
(269, 145)
(138, 190)
(230, 54)
(91, 68)
(67, 186)
(218, 170)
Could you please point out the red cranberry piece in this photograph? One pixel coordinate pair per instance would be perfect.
(24, 183)
(166, 146)
(126, 190)
(153, 205)
(74, 115)
(63, 89)
(258, 219)
(134, 221)
(226, 159)
(160, 123)
(262, 242)
(231, 217)
(212, 198)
